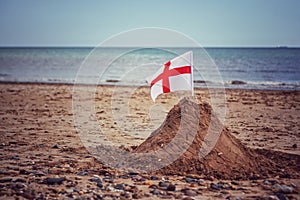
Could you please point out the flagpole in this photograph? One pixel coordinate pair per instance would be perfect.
(192, 74)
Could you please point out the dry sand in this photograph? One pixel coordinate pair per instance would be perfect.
(39, 141)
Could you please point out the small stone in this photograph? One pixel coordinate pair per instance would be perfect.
(281, 196)
(235, 183)
(171, 187)
(283, 189)
(52, 181)
(28, 195)
(124, 176)
(100, 185)
(142, 179)
(163, 184)
(154, 178)
(153, 186)
(233, 198)
(210, 178)
(96, 179)
(15, 158)
(84, 173)
(133, 173)
(119, 186)
(127, 195)
(21, 180)
(202, 188)
(188, 198)
(69, 190)
(137, 195)
(17, 186)
(268, 182)
(5, 179)
(55, 146)
(131, 188)
(271, 197)
(189, 180)
(215, 186)
(155, 192)
(201, 181)
(76, 190)
(190, 193)
(39, 173)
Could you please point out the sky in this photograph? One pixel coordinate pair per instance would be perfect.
(221, 23)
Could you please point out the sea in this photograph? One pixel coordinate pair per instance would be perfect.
(244, 68)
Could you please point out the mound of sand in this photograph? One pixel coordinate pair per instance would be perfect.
(229, 158)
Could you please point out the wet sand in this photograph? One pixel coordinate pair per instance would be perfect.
(39, 141)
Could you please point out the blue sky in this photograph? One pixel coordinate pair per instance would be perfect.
(210, 22)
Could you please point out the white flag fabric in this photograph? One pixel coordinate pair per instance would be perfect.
(175, 75)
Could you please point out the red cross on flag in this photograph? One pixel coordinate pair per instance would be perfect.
(175, 75)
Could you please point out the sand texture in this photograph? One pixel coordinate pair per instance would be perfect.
(43, 157)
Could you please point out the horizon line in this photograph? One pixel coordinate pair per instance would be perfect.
(90, 46)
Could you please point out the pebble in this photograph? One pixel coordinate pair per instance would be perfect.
(133, 173)
(17, 186)
(96, 179)
(154, 178)
(76, 190)
(153, 186)
(131, 188)
(190, 193)
(189, 180)
(271, 197)
(55, 146)
(69, 190)
(119, 186)
(155, 192)
(268, 182)
(235, 183)
(283, 189)
(281, 196)
(188, 198)
(15, 158)
(108, 179)
(5, 179)
(127, 195)
(233, 198)
(163, 184)
(21, 180)
(216, 186)
(84, 173)
(137, 195)
(100, 185)
(201, 181)
(124, 176)
(171, 187)
(28, 195)
(52, 181)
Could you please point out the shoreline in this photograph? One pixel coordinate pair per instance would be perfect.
(142, 86)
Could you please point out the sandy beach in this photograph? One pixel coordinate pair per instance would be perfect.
(42, 156)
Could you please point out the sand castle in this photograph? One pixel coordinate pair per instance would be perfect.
(229, 158)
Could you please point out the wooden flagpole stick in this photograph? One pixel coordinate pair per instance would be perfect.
(192, 73)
